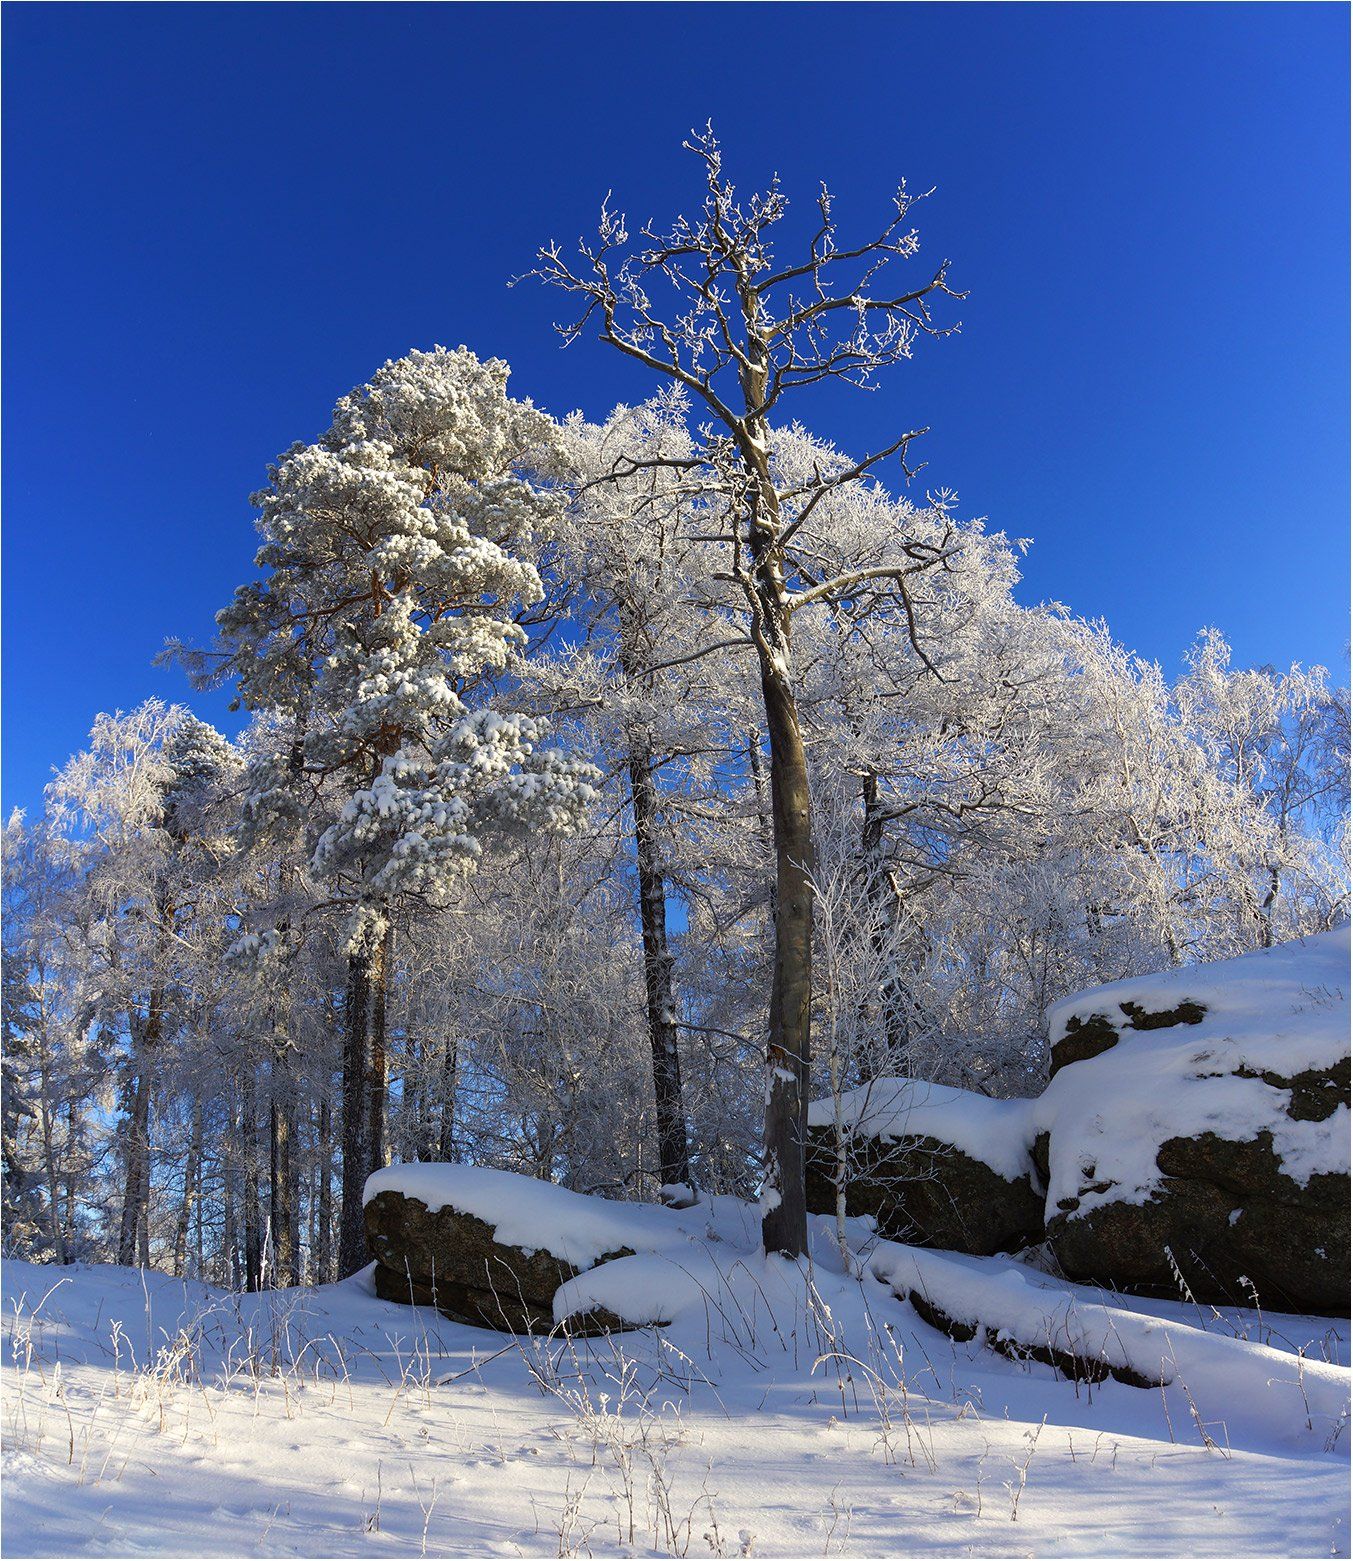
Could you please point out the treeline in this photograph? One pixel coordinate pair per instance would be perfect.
(606, 789)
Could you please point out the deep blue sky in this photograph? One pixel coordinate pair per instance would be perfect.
(220, 218)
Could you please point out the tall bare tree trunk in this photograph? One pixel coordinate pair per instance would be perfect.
(377, 1081)
(352, 1233)
(784, 1220)
(324, 1216)
(253, 1223)
(774, 334)
(281, 1206)
(191, 1173)
(784, 1217)
(673, 1158)
(883, 916)
(446, 1123)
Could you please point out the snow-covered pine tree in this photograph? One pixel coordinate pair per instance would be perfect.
(396, 550)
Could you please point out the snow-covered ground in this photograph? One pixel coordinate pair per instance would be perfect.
(775, 1416)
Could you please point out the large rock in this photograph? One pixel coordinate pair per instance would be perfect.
(1193, 1139)
(492, 1248)
(935, 1166)
(1224, 1224)
(452, 1261)
(1195, 1134)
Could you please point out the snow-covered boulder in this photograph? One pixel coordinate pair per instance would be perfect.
(934, 1165)
(1197, 1126)
(1195, 1129)
(491, 1247)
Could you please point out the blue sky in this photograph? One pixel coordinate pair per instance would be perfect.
(220, 218)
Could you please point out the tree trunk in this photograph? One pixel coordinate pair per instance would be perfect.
(253, 1232)
(673, 1159)
(784, 1220)
(754, 758)
(293, 1181)
(143, 1212)
(72, 1138)
(200, 1255)
(324, 1216)
(784, 1216)
(377, 1083)
(352, 1233)
(229, 1236)
(191, 1172)
(883, 916)
(136, 1129)
(46, 1110)
(282, 1200)
(446, 1125)
(134, 1241)
(134, 1235)
(1268, 909)
(279, 1177)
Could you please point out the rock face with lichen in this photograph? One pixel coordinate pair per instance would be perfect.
(1088, 1037)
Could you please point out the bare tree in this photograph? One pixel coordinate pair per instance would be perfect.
(740, 333)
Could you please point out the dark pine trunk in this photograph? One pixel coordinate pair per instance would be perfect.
(378, 1082)
(282, 1208)
(134, 1234)
(673, 1159)
(253, 1224)
(138, 1100)
(324, 1218)
(352, 1234)
(883, 916)
(446, 1122)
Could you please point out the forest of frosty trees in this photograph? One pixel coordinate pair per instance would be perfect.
(546, 844)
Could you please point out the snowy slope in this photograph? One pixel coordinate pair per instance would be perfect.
(778, 1414)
